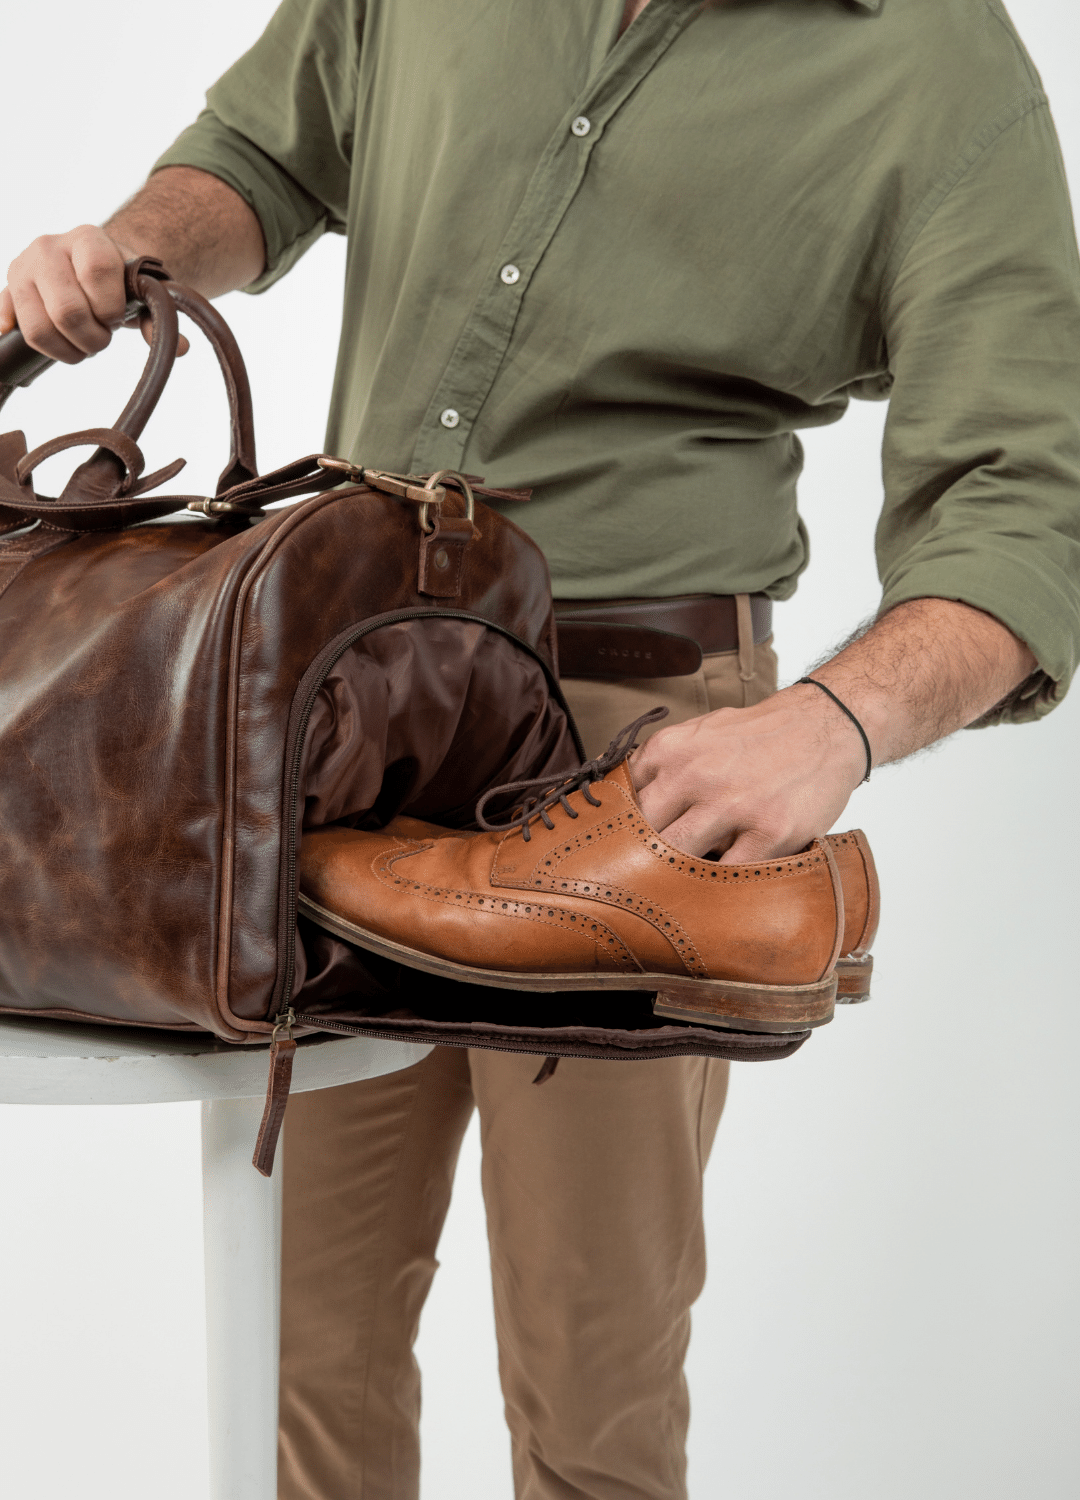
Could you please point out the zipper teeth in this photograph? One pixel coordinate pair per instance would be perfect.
(303, 1019)
(397, 617)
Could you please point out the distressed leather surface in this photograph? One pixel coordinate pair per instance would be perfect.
(149, 683)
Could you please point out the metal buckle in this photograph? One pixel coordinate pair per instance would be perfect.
(422, 491)
(438, 495)
(403, 486)
(215, 509)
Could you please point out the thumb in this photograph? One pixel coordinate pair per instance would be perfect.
(7, 312)
(147, 327)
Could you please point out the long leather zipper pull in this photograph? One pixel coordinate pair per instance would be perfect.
(282, 1052)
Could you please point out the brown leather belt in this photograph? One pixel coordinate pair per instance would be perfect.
(651, 637)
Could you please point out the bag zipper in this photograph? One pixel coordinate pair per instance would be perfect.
(395, 617)
(321, 1023)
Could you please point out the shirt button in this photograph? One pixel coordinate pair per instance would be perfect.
(509, 274)
(581, 126)
(450, 418)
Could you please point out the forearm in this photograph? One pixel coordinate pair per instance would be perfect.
(922, 671)
(203, 231)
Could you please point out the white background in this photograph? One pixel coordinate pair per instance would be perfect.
(892, 1307)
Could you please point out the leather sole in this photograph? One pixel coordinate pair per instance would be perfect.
(728, 1004)
(853, 979)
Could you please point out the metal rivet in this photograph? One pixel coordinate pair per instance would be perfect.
(581, 126)
(442, 558)
(509, 274)
(450, 418)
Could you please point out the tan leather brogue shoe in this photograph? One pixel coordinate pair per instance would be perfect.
(862, 908)
(578, 892)
(858, 877)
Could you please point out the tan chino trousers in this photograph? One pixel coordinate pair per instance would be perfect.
(593, 1191)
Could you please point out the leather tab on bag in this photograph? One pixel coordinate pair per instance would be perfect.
(282, 1052)
(13, 486)
(590, 648)
(442, 557)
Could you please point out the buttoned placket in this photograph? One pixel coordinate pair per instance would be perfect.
(474, 363)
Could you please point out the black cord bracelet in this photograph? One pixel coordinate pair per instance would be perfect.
(844, 708)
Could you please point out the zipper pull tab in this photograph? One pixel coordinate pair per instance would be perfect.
(282, 1052)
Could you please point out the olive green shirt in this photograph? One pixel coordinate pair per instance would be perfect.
(625, 271)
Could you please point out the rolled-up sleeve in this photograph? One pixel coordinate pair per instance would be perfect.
(278, 127)
(982, 448)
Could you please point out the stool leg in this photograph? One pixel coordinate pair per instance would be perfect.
(242, 1249)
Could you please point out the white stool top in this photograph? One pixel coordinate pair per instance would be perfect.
(72, 1062)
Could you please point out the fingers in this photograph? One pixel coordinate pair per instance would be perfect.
(99, 269)
(695, 835)
(643, 766)
(746, 784)
(737, 840)
(662, 776)
(67, 293)
(753, 844)
(8, 319)
(146, 328)
(38, 329)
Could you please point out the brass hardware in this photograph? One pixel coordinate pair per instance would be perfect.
(215, 509)
(284, 1022)
(424, 492)
(351, 471)
(436, 494)
(403, 486)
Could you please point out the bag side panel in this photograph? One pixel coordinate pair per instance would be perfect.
(113, 655)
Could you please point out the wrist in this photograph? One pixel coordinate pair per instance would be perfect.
(849, 748)
(852, 718)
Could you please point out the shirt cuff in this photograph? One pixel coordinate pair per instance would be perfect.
(1038, 607)
(291, 219)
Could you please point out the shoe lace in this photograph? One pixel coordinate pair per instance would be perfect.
(548, 793)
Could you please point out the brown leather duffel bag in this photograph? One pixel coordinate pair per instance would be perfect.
(188, 682)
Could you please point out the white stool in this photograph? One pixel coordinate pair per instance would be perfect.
(56, 1062)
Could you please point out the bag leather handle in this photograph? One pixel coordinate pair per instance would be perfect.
(242, 465)
(102, 492)
(103, 475)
